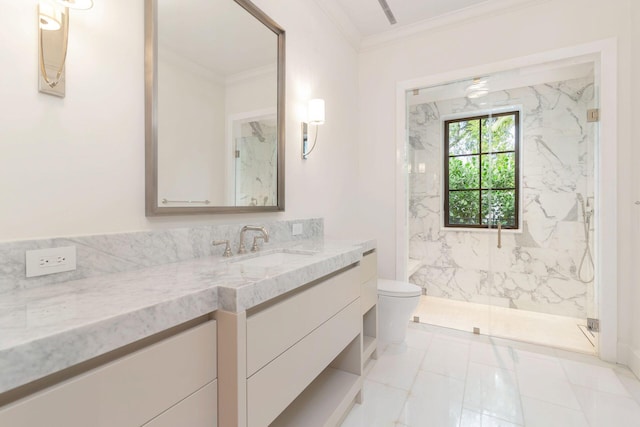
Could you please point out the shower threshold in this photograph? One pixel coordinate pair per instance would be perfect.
(522, 325)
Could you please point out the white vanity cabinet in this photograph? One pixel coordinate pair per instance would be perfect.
(369, 306)
(295, 360)
(169, 383)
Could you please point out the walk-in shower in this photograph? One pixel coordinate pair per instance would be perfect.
(514, 149)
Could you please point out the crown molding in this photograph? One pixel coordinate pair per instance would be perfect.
(345, 26)
(242, 76)
(466, 14)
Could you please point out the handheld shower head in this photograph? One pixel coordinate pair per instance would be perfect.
(587, 212)
(581, 201)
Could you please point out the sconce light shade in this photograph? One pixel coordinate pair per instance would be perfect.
(76, 4)
(315, 116)
(316, 111)
(49, 16)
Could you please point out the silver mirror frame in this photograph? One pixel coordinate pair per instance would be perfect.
(151, 117)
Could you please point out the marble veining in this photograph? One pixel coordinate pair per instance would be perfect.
(45, 329)
(537, 268)
(256, 165)
(241, 295)
(111, 253)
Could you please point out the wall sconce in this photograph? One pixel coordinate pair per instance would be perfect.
(53, 38)
(315, 116)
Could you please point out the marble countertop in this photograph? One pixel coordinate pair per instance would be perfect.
(47, 329)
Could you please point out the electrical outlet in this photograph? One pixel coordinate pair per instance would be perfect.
(296, 229)
(48, 261)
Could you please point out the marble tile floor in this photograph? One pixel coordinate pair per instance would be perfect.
(442, 377)
(522, 325)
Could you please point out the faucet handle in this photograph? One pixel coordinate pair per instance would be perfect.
(255, 247)
(227, 249)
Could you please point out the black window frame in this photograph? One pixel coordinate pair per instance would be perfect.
(480, 154)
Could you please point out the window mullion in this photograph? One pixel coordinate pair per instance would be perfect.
(480, 172)
(447, 208)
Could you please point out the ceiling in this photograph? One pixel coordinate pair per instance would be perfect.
(198, 30)
(369, 19)
(364, 24)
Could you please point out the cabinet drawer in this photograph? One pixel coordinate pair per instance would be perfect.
(128, 391)
(269, 335)
(368, 294)
(198, 410)
(276, 385)
(369, 267)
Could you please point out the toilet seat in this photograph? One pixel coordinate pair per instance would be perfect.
(397, 289)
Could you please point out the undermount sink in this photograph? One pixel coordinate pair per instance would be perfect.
(274, 259)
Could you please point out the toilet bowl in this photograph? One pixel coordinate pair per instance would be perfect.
(396, 302)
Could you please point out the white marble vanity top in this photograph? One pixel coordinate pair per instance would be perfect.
(44, 330)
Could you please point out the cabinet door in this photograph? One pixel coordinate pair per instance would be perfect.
(269, 334)
(369, 267)
(126, 392)
(198, 410)
(274, 387)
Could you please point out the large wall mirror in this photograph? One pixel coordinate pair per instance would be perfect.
(214, 108)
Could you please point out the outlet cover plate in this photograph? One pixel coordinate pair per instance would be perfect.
(41, 262)
(296, 229)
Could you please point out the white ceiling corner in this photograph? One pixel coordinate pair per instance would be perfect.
(336, 13)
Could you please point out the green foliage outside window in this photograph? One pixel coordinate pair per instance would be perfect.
(482, 168)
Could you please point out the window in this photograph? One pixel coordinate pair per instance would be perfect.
(481, 171)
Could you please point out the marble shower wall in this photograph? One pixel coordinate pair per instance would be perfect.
(256, 174)
(112, 253)
(537, 267)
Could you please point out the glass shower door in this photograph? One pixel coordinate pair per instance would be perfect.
(501, 207)
(481, 199)
(508, 156)
(448, 239)
(255, 158)
(541, 195)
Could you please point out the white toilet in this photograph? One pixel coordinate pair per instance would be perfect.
(396, 302)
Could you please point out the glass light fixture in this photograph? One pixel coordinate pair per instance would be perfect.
(477, 89)
(316, 111)
(315, 116)
(49, 16)
(53, 40)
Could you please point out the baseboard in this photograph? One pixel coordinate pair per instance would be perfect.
(633, 358)
(630, 357)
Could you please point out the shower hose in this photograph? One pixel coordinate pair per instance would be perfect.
(586, 256)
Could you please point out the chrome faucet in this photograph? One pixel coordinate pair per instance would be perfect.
(227, 248)
(265, 236)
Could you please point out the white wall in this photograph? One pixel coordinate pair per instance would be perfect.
(251, 177)
(499, 37)
(257, 92)
(324, 65)
(75, 166)
(634, 300)
(191, 131)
